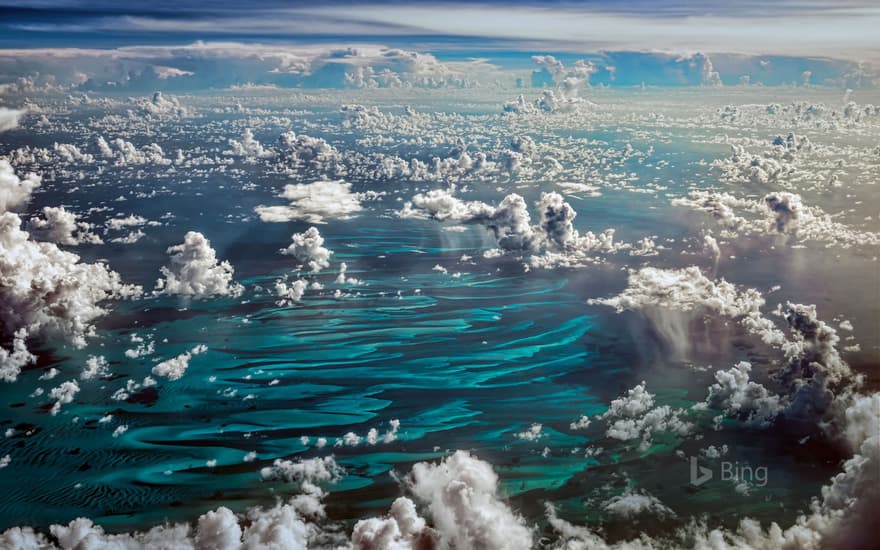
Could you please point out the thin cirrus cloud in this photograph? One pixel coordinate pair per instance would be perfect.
(831, 29)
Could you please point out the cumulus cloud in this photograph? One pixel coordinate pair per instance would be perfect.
(48, 292)
(292, 292)
(174, 368)
(195, 271)
(534, 433)
(401, 529)
(9, 118)
(96, 367)
(737, 396)
(779, 213)
(308, 249)
(656, 291)
(248, 147)
(789, 215)
(309, 154)
(125, 153)
(218, 529)
(314, 203)
(151, 67)
(553, 241)
(15, 191)
(312, 470)
(161, 105)
(766, 168)
(631, 504)
(801, 114)
(63, 395)
(816, 375)
(71, 154)
(60, 226)
(289, 525)
(461, 496)
(634, 417)
(464, 510)
(12, 360)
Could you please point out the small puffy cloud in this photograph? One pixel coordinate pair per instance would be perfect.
(534, 433)
(96, 367)
(125, 153)
(312, 470)
(738, 397)
(292, 292)
(57, 225)
(632, 504)
(308, 249)
(117, 224)
(634, 417)
(63, 395)
(309, 154)
(195, 271)
(71, 154)
(314, 203)
(161, 105)
(15, 191)
(401, 529)
(581, 423)
(248, 147)
(13, 359)
(9, 118)
(174, 368)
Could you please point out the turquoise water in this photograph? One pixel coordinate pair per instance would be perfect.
(463, 362)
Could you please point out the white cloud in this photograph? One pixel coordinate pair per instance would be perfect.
(125, 153)
(9, 118)
(634, 417)
(175, 368)
(18, 356)
(63, 395)
(71, 154)
(311, 470)
(534, 433)
(128, 221)
(308, 249)
(401, 529)
(160, 105)
(737, 396)
(552, 242)
(314, 203)
(96, 367)
(60, 226)
(292, 292)
(656, 292)
(461, 497)
(15, 191)
(48, 291)
(248, 147)
(632, 504)
(195, 271)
